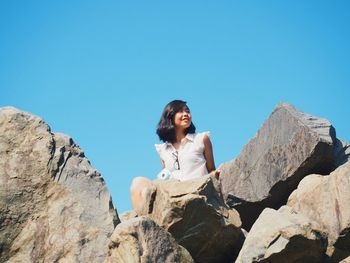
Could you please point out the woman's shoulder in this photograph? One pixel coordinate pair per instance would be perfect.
(160, 147)
(199, 138)
(201, 135)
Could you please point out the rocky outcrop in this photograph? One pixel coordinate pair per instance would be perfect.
(289, 146)
(53, 205)
(326, 200)
(283, 236)
(194, 213)
(141, 240)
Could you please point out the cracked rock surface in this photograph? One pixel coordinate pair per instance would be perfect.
(326, 200)
(54, 206)
(194, 213)
(289, 145)
(141, 240)
(283, 236)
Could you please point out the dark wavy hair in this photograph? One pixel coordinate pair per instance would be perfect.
(166, 126)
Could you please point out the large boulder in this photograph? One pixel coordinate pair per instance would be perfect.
(289, 146)
(283, 236)
(326, 199)
(194, 213)
(141, 240)
(53, 205)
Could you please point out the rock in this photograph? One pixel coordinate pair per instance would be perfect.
(53, 205)
(141, 240)
(326, 199)
(127, 215)
(194, 213)
(345, 260)
(283, 236)
(342, 152)
(289, 146)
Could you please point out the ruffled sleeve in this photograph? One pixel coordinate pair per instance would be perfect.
(159, 148)
(200, 140)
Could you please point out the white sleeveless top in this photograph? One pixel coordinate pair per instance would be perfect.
(191, 160)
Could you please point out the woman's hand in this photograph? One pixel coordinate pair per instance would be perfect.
(215, 173)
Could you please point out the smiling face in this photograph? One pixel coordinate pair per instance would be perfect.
(183, 118)
(175, 118)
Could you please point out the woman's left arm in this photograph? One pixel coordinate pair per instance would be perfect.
(209, 156)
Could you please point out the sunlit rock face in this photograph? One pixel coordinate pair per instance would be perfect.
(326, 200)
(54, 206)
(283, 236)
(289, 145)
(194, 213)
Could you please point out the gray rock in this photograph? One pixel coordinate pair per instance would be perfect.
(141, 240)
(53, 205)
(326, 199)
(283, 236)
(289, 146)
(194, 213)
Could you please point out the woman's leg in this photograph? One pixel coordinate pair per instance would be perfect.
(137, 186)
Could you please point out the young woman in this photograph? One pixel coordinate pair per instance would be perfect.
(185, 154)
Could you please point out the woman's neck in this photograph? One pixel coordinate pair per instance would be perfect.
(179, 135)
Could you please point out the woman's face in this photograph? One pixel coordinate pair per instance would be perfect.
(183, 118)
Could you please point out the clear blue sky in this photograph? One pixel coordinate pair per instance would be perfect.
(102, 71)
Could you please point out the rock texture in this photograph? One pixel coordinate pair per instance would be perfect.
(326, 199)
(345, 260)
(194, 213)
(283, 236)
(289, 146)
(127, 215)
(342, 152)
(141, 240)
(53, 205)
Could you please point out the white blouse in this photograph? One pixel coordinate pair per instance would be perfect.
(188, 161)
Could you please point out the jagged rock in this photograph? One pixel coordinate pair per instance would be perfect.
(326, 199)
(283, 236)
(342, 152)
(141, 240)
(194, 213)
(289, 146)
(53, 205)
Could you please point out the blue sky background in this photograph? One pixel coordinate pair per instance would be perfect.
(102, 71)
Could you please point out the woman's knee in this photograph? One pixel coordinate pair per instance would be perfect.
(138, 183)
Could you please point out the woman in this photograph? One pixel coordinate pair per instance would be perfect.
(184, 153)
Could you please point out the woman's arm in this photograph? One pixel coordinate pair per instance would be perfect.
(209, 156)
(208, 153)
